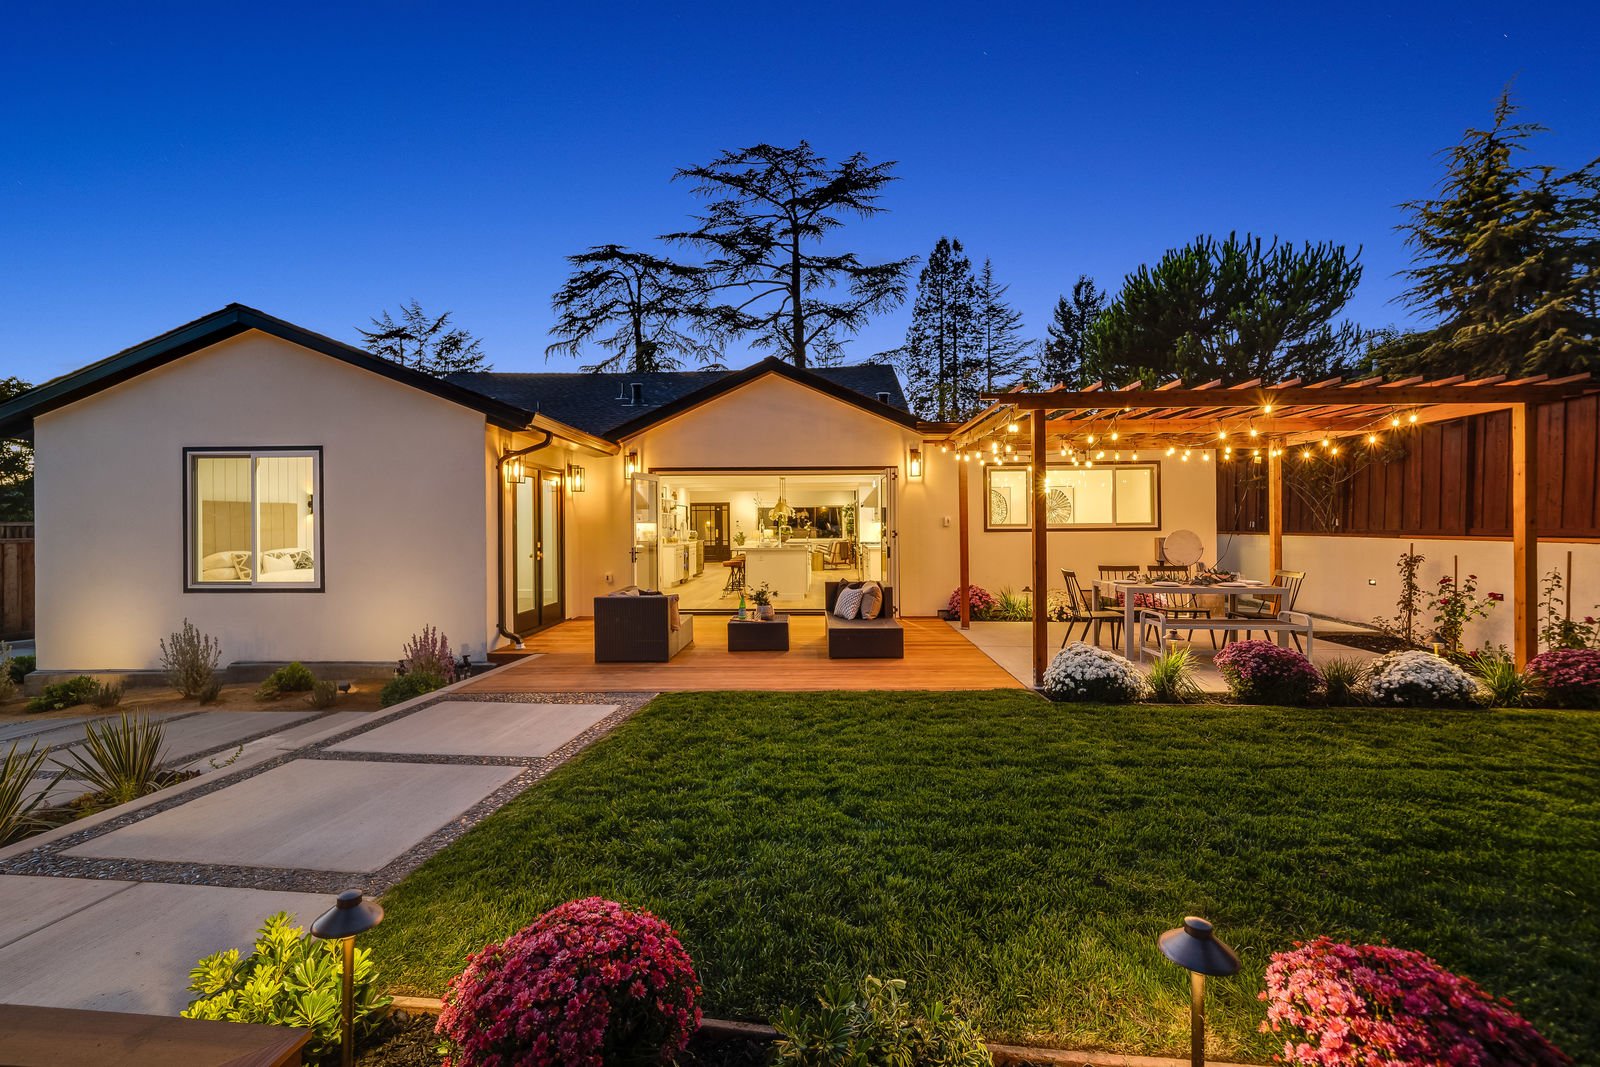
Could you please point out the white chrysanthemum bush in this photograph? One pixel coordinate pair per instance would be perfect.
(1083, 672)
(1415, 679)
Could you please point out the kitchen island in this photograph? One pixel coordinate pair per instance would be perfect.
(786, 569)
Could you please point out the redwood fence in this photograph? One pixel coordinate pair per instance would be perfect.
(1445, 479)
(16, 579)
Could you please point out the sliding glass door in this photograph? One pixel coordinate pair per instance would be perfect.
(536, 593)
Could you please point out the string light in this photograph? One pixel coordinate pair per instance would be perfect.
(1254, 432)
(1011, 427)
(1266, 409)
(1305, 453)
(1394, 420)
(1090, 438)
(1171, 451)
(1117, 457)
(1222, 435)
(1114, 435)
(1100, 454)
(1411, 417)
(1205, 457)
(1372, 438)
(994, 446)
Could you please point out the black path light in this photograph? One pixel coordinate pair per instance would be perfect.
(1194, 945)
(349, 916)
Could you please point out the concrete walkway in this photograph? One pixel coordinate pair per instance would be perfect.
(112, 911)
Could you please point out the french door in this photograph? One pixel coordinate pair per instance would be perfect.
(645, 530)
(536, 552)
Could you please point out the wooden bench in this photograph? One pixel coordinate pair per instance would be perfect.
(50, 1037)
(1284, 624)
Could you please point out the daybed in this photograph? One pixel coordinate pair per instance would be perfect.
(879, 638)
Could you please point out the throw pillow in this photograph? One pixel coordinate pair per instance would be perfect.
(848, 604)
(871, 600)
(272, 562)
(302, 560)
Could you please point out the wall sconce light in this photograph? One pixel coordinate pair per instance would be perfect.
(1195, 947)
(914, 465)
(513, 470)
(349, 916)
(577, 478)
(631, 467)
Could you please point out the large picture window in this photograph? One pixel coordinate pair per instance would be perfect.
(253, 519)
(1076, 498)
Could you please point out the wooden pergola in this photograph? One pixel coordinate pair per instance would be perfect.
(1249, 422)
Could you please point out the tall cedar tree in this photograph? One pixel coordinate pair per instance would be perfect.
(770, 210)
(629, 304)
(1003, 353)
(941, 342)
(424, 342)
(1232, 310)
(16, 465)
(1506, 262)
(1062, 356)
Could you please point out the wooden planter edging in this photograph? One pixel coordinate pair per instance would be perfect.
(1003, 1054)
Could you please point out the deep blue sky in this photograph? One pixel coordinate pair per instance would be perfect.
(322, 162)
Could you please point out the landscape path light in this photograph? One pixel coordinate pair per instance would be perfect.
(349, 916)
(1194, 946)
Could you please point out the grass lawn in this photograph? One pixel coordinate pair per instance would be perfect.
(1019, 858)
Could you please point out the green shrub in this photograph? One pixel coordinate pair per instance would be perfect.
(324, 694)
(1344, 682)
(875, 1027)
(1171, 677)
(18, 774)
(67, 694)
(8, 684)
(1012, 607)
(22, 666)
(106, 694)
(403, 687)
(211, 693)
(290, 979)
(120, 759)
(190, 659)
(1506, 686)
(293, 677)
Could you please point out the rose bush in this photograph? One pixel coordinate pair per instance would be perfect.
(1570, 677)
(1260, 672)
(1084, 672)
(1416, 679)
(1338, 1004)
(589, 983)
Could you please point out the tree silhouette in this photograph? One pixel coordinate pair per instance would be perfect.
(630, 305)
(424, 342)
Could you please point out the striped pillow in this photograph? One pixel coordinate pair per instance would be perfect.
(848, 604)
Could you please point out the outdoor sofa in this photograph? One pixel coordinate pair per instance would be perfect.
(635, 626)
(880, 638)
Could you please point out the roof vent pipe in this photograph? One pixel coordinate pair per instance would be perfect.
(636, 393)
(883, 396)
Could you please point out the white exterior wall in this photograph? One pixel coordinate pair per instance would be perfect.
(401, 507)
(1354, 578)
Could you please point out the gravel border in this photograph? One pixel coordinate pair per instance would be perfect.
(51, 859)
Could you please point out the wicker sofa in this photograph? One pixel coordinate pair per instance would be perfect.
(631, 626)
(880, 638)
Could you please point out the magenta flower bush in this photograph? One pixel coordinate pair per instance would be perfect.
(591, 983)
(1570, 677)
(429, 653)
(1338, 1004)
(1260, 672)
(982, 602)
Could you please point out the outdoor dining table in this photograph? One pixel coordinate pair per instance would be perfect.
(1112, 586)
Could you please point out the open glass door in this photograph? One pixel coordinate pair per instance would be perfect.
(645, 515)
(548, 549)
(890, 564)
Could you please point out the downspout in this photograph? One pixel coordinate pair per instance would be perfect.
(500, 533)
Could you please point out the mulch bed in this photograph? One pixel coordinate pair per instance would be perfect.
(1371, 642)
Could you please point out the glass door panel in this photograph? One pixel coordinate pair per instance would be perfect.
(548, 550)
(524, 557)
(645, 516)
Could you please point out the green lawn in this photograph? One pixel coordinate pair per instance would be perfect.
(1019, 858)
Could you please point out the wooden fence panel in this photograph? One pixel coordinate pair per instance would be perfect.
(16, 587)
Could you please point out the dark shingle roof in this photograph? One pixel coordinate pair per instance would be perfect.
(601, 403)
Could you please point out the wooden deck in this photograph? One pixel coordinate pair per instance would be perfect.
(561, 660)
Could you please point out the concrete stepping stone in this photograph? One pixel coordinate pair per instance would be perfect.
(115, 948)
(480, 728)
(29, 903)
(24, 731)
(325, 815)
(194, 734)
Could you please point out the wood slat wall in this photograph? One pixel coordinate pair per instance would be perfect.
(1454, 480)
(16, 587)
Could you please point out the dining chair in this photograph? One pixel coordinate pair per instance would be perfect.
(1268, 605)
(1081, 608)
(1115, 572)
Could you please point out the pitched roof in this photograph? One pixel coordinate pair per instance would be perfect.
(603, 403)
(18, 413)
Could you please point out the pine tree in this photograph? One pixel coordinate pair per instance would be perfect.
(1061, 357)
(424, 342)
(1003, 353)
(939, 355)
(633, 306)
(1506, 261)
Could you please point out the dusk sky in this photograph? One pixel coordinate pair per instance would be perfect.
(324, 162)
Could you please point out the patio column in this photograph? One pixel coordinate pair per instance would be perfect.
(1274, 509)
(1524, 532)
(1041, 561)
(963, 521)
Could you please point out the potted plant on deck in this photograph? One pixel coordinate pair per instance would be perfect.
(761, 596)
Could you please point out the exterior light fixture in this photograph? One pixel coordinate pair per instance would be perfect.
(631, 466)
(577, 478)
(349, 916)
(1194, 947)
(513, 470)
(914, 463)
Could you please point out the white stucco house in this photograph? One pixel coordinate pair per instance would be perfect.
(300, 498)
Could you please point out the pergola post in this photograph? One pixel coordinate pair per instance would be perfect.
(1274, 510)
(1524, 532)
(963, 524)
(1041, 560)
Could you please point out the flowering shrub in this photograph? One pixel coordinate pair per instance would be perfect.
(1416, 679)
(981, 602)
(1569, 676)
(429, 653)
(589, 983)
(1456, 604)
(1084, 672)
(1339, 1004)
(1260, 672)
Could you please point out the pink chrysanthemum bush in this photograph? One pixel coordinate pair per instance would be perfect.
(1260, 672)
(1570, 677)
(589, 983)
(980, 602)
(1338, 1004)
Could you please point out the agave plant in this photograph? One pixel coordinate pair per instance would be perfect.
(1344, 681)
(120, 759)
(19, 773)
(1171, 677)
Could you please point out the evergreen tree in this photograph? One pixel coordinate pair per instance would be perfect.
(1232, 310)
(16, 465)
(1062, 356)
(940, 351)
(1003, 353)
(1506, 261)
(631, 305)
(424, 342)
(770, 210)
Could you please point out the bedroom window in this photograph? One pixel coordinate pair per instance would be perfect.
(254, 519)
